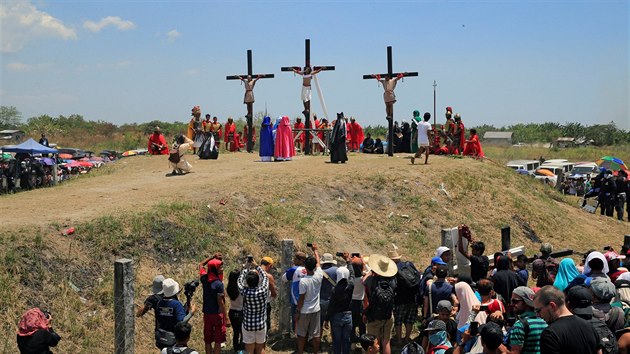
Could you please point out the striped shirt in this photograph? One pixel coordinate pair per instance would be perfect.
(528, 340)
(254, 300)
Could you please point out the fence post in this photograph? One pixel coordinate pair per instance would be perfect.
(506, 240)
(285, 289)
(124, 319)
(459, 264)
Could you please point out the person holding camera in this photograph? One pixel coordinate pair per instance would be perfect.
(339, 312)
(253, 284)
(308, 309)
(215, 318)
(176, 155)
(35, 334)
(267, 264)
(170, 311)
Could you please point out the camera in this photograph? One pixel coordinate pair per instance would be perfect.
(309, 245)
(483, 308)
(46, 314)
(355, 254)
(339, 254)
(250, 258)
(474, 328)
(189, 290)
(607, 248)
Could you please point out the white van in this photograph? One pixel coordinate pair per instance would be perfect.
(528, 165)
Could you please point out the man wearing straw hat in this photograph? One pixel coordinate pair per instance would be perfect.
(380, 287)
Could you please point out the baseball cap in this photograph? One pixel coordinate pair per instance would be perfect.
(268, 260)
(526, 294)
(579, 300)
(436, 325)
(437, 260)
(603, 289)
(444, 305)
(440, 250)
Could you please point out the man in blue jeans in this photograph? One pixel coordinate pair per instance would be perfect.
(339, 312)
(293, 276)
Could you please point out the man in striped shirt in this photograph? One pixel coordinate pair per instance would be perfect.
(254, 287)
(525, 334)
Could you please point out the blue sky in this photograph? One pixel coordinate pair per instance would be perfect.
(498, 62)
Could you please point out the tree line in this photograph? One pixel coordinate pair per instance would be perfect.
(133, 135)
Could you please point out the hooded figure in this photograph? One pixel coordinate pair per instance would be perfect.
(266, 140)
(566, 273)
(338, 141)
(284, 150)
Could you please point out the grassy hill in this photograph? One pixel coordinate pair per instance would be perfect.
(238, 206)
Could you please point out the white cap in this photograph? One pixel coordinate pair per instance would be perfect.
(440, 250)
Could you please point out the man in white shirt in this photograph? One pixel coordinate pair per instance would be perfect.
(424, 136)
(309, 324)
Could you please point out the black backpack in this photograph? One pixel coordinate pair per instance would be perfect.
(408, 277)
(381, 299)
(607, 339)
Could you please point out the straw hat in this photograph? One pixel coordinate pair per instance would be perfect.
(382, 265)
(327, 258)
(393, 253)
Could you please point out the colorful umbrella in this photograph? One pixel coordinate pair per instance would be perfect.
(65, 156)
(544, 172)
(611, 163)
(129, 153)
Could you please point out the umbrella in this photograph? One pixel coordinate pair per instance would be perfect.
(522, 171)
(85, 164)
(544, 172)
(129, 153)
(96, 158)
(611, 163)
(65, 156)
(6, 156)
(48, 161)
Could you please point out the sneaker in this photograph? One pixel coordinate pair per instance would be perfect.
(174, 172)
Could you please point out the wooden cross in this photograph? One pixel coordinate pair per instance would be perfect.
(307, 63)
(390, 73)
(250, 106)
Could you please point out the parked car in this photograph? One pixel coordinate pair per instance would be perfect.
(585, 168)
(547, 175)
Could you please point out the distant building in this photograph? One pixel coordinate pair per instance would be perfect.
(498, 138)
(565, 142)
(11, 137)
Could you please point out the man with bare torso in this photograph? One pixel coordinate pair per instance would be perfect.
(307, 76)
(389, 84)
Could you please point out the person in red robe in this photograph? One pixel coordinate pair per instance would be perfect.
(321, 135)
(473, 146)
(230, 131)
(356, 135)
(236, 143)
(459, 139)
(284, 149)
(348, 134)
(157, 143)
(300, 140)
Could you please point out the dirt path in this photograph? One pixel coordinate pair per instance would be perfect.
(139, 182)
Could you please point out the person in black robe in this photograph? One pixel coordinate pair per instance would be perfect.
(338, 141)
(405, 143)
(368, 144)
(397, 137)
(378, 147)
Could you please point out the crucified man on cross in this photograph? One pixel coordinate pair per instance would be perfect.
(249, 83)
(389, 84)
(307, 76)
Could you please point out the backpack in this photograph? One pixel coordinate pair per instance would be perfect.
(607, 339)
(173, 156)
(412, 348)
(408, 277)
(381, 300)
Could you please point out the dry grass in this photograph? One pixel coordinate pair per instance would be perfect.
(168, 224)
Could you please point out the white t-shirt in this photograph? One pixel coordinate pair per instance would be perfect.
(310, 286)
(423, 133)
(359, 290)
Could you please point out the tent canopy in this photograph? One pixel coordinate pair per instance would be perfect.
(30, 147)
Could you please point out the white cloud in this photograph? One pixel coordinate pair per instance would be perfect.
(17, 66)
(115, 21)
(172, 35)
(21, 22)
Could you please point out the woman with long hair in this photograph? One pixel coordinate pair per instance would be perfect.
(236, 310)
